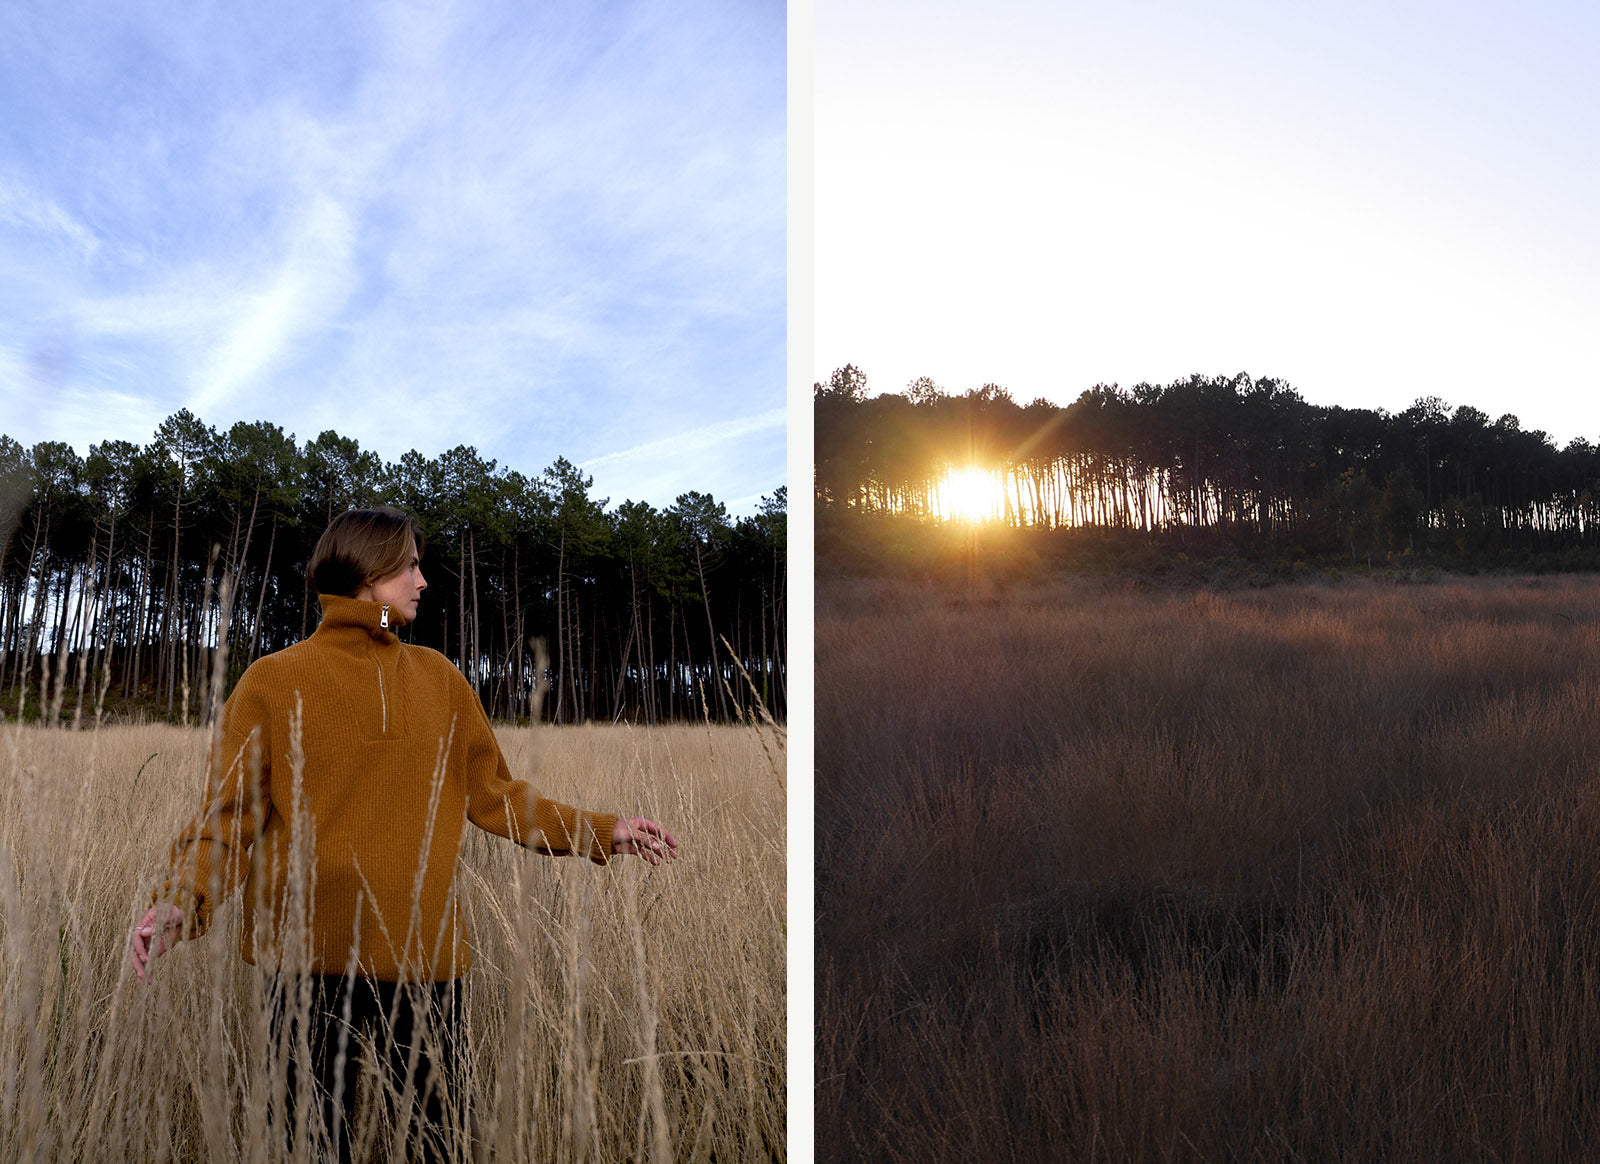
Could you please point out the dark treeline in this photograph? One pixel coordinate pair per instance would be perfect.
(119, 571)
(1215, 461)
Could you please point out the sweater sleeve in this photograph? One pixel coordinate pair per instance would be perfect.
(211, 855)
(513, 808)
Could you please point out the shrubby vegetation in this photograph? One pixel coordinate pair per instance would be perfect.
(1302, 873)
(119, 570)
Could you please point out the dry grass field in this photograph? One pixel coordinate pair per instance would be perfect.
(622, 1013)
(1309, 873)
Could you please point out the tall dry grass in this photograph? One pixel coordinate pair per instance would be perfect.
(626, 1013)
(1309, 873)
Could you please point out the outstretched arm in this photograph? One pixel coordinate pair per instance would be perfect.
(208, 859)
(515, 809)
(649, 840)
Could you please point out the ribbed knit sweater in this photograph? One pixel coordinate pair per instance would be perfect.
(347, 767)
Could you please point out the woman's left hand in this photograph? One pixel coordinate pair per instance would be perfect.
(635, 834)
(157, 932)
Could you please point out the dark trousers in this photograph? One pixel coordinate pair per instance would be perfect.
(415, 1027)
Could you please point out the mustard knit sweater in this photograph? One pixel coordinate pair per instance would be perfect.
(347, 767)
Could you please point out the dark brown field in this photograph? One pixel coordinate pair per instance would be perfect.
(1309, 873)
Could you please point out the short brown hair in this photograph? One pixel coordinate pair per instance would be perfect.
(360, 546)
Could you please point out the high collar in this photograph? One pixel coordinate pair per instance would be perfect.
(347, 621)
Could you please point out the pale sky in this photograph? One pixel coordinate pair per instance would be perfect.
(1373, 201)
(543, 230)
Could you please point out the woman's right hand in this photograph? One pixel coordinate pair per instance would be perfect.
(155, 934)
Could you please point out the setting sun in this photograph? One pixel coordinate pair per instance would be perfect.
(969, 494)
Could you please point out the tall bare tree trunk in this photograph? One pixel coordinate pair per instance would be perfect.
(173, 620)
(505, 669)
(199, 635)
(24, 662)
(672, 661)
(627, 646)
(477, 647)
(266, 576)
(141, 614)
(711, 634)
(561, 632)
(654, 712)
(103, 611)
(217, 678)
(62, 644)
(82, 628)
(461, 606)
(516, 599)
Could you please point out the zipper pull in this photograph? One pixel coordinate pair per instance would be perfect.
(383, 617)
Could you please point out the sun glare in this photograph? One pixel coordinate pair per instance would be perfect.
(969, 494)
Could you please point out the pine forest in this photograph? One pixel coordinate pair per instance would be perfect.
(131, 577)
(1210, 464)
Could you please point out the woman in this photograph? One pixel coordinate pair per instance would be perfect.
(344, 772)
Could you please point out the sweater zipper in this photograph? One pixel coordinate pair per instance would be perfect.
(383, 698)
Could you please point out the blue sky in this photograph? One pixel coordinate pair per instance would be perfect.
(542, 230)
(1373, 201)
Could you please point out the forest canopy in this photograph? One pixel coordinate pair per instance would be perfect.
(1209, 463)
(121, 571)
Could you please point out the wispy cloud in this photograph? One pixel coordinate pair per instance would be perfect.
(29, 210)
(693, 441)
(538, 231)
(661, 461)
(308, 288)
